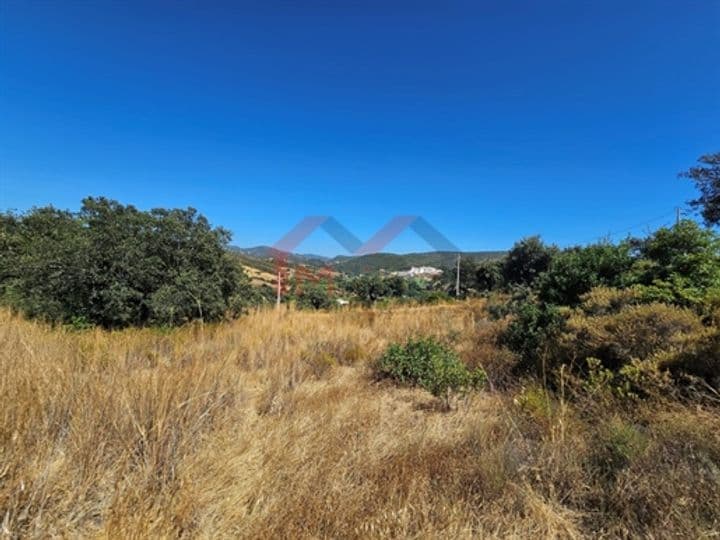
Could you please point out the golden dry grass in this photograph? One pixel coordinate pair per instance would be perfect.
(270, 426)
(259, 277)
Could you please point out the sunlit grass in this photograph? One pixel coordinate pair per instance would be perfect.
(272, 426)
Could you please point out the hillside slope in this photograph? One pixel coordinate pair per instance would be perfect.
(392, 262)
(262, 258)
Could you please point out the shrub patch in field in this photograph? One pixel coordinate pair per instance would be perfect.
(428, 364)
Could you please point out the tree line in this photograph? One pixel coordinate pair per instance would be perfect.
(114, 265)
(678, 263)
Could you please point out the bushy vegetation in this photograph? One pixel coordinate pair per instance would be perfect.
(527, 260)
(429, 364)
(531, 332)
(370, 289)
(575, 271)
(638, 314)
(115, 266)
(314, 296)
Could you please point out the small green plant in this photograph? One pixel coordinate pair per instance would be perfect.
(79, 323)
(536, 402)
(430, 365)
(619, 444)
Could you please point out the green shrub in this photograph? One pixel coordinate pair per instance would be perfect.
(80, 323)
(635, 332)
(314, 296)
(434, 297)
(500, 305)
(531, 333)
(536, 402)
(636, 379)
(699, 358)
(628, 350)
(607, 300)
(611, 343)
(678, 264)
(430, 365)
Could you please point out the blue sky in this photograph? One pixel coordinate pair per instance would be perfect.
(492, 120)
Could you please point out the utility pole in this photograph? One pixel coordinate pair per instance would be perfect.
(279, 286)
(677, 216)
(457, 278)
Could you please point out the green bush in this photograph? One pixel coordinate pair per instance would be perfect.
(628, 348)
(678, 264)
(433, 297)
(314, 296)
(635, 332)
(699, 358)
(430, 365)
(531, 333)
(606, 300)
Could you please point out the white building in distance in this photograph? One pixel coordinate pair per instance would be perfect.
(420, 272)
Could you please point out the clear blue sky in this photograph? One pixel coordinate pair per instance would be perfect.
(492, 119)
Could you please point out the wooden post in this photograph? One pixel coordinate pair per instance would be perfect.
(279, 287)
(457, 279)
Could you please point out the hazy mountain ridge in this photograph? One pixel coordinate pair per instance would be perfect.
(363, 264)
(393, 262)
(269, 252)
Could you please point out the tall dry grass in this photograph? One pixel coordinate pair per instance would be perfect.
(270, 426)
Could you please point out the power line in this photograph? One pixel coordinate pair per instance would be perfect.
(633, 227)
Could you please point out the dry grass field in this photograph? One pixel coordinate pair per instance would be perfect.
(272, 426)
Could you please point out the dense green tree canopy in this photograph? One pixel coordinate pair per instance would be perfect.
(314, 295)
(526, 260)
(488, 275)
(679, 264)
(575, 271)
(369, 288)
(114, 265)
(396, 286)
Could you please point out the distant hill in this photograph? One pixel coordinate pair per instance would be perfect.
(263, 265)
(262, 258)
(393, 262)
(268, 252)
